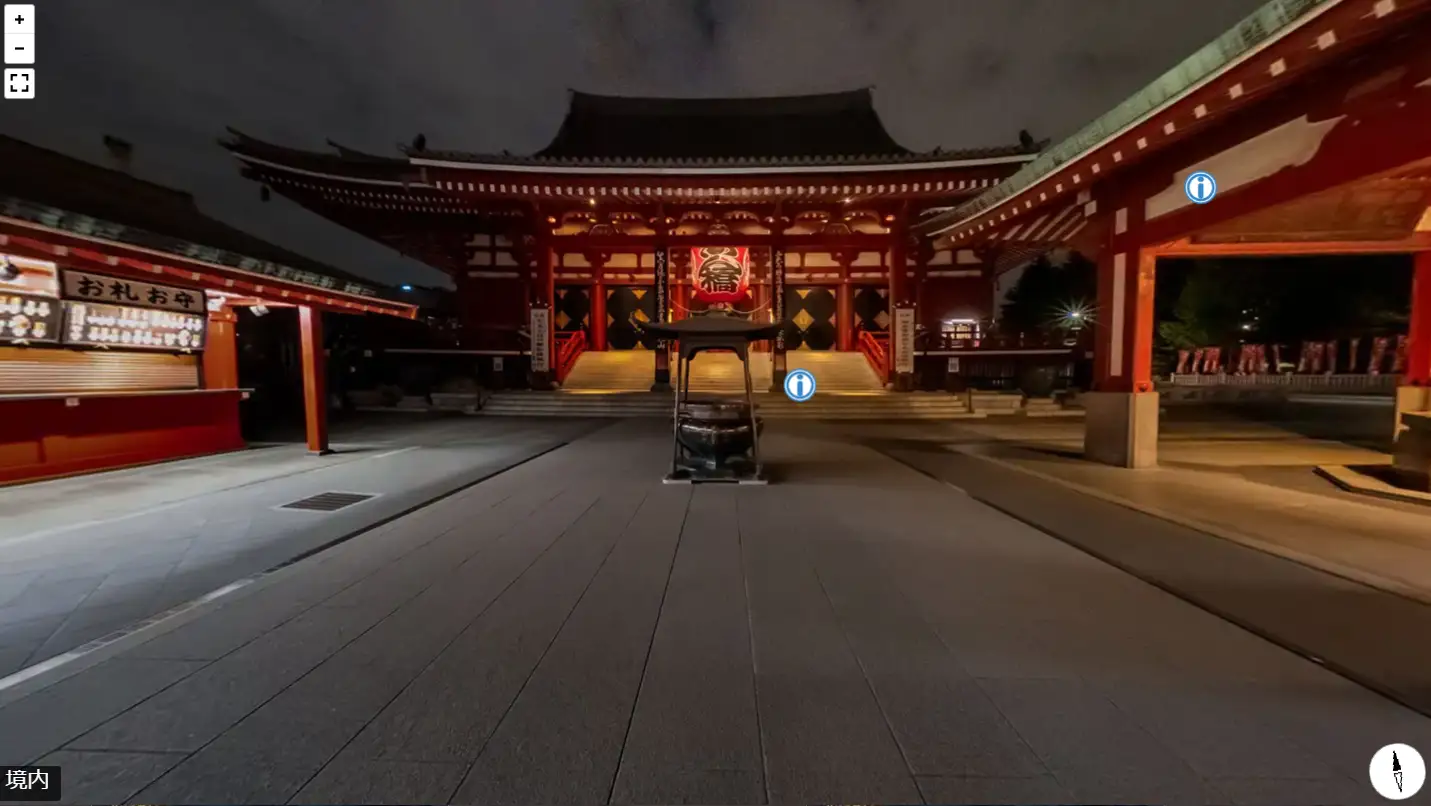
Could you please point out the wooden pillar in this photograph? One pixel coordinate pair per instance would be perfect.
(901, 341)
(597, 316)
(540, 324)
(220, 359)
(845, 314)
(662, 379)
(1123, 333)
(1413, 395)
(1418, 338)
(315, 378)
(1121, 422)
(777, 316)
(761, 298)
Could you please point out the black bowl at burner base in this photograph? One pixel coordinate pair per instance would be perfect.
(718, 440)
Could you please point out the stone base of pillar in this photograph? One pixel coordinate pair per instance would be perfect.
(1412, 455)
(777, 380)
(1410, 399)
(902, 382)
(778, 371)
(662, 382)
(1121, 428)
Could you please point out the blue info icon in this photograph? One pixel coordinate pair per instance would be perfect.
(1200, 187)
(800, 385)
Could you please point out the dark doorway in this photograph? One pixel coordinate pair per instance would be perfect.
(626, 304)
(810, 314)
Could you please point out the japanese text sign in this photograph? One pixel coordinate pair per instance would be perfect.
(132, 293)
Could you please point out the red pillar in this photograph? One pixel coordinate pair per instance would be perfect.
(315, 378)
(1413, 395)
(597, 317)
(900, 344)
(1123, 333)
(543, 374)
(760, 298)
(220, 359)
(1121, 419)
(1418, 339)
(845, 315)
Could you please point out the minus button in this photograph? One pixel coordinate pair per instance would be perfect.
(19, 48)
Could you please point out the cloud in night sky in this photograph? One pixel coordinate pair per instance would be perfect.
(484, 75)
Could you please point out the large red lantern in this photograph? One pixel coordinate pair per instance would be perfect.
(720, 274)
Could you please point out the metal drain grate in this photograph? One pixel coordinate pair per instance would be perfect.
(327, 502)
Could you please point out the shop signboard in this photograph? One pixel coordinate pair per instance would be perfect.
(904, 340)
(541, 327)
(98, 324)
(80, 285)
(28, 318)
(28, 276)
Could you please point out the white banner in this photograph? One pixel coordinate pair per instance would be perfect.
(903, 337)
(132, 293)
(541, 330)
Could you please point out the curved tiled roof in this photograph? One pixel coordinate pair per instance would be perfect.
(1265, 24)
(344, 162)
(830, 125)
(798, 161)
(606, 131)
(54, 189)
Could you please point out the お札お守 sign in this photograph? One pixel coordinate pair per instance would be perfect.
(80, 285)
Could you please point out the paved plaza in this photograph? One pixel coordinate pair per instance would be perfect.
(867, 629)
(88, 555)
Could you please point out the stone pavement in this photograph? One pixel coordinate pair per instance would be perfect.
(1253, 483)
(88, 555)
(573, 631)
(1338, 580)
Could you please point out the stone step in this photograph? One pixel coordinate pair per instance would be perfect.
(871, 406)
(720, 372)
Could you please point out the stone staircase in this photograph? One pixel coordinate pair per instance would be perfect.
(995, 403)
(1049, 407)
(824, 406)
(617, 384)
(632, 371)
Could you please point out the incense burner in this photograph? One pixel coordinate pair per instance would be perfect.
(716, 431)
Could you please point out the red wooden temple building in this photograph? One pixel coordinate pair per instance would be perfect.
(576, 245)
(118, 309)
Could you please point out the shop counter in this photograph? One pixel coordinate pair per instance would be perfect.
(47, 435)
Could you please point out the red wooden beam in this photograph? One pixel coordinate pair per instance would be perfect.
(1377, 114)
(629, 243)
(1420, 242)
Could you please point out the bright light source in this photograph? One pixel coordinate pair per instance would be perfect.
(406, 287)
(592, 202)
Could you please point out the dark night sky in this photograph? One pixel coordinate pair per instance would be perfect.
(488, 75)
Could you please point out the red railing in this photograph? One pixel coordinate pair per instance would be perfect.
(875, 346)
(570, 346)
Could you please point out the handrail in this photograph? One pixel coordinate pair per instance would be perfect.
(570, 347)
(876, 352)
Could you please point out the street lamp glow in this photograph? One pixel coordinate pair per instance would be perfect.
(406, 287)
